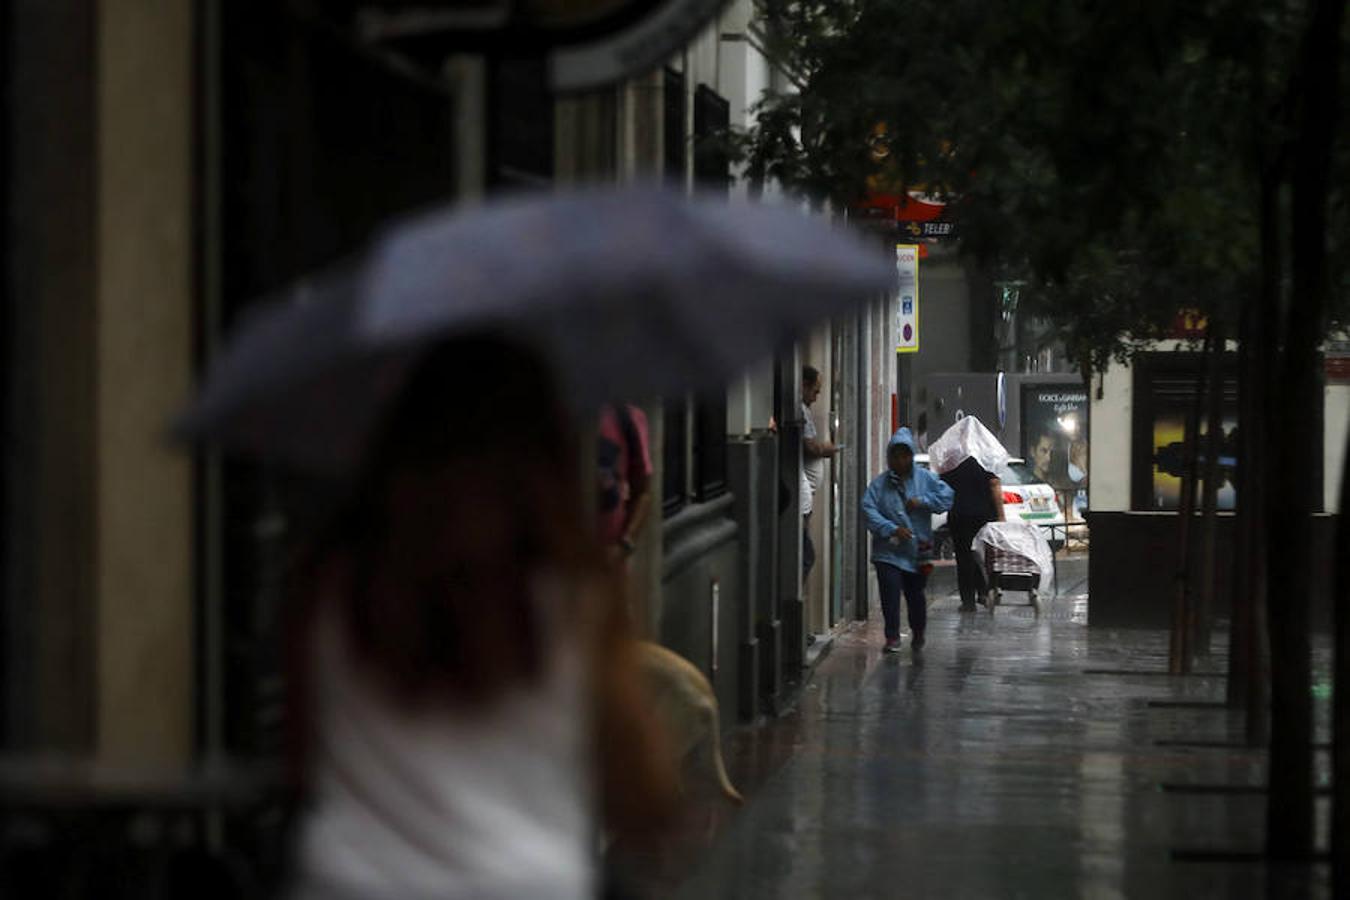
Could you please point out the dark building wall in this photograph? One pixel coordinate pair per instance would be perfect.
(789, 627)
(753, 471)
(944, 331)
(49, 330)
(955, 395)
(702, 584)
(1136, 555)
(983, 321)
(321, 142)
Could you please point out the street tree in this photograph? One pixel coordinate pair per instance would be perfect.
(1123, 162)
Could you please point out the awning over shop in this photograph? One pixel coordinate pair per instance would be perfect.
(585, 45)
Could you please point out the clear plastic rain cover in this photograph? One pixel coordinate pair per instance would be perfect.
(967, 438)
(1022, 538)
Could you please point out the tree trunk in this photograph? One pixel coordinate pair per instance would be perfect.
(1249, 638)
(1248, 663)
(1255, 570)
(1289, 818)
(1209, 571)
(1340, 809)
(1240, 632)
(1323, 55)
(1182, 650)
(1289, 815)
(1264, 359)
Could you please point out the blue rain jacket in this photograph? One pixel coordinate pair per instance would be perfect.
(884, 509)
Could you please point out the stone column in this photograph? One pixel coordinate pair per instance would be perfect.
(98, 590)
(143, 360)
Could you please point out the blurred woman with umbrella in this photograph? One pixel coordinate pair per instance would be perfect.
(464, 666)
(464, 675)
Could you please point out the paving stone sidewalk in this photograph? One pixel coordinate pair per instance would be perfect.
(1011, 758)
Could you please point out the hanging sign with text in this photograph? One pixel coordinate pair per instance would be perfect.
(907, 305)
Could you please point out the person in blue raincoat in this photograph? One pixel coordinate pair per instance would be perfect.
(898, 508)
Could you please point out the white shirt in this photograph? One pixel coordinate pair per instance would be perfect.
(449, 804)
(813, 467)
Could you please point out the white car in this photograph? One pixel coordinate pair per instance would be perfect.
(1025, 499)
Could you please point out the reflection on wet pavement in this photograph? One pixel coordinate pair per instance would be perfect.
(992, 765)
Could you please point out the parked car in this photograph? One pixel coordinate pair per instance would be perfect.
(1025, 499)
(1028, 499)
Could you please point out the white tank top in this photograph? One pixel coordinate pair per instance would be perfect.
(489, 803)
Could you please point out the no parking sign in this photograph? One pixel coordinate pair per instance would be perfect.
(907, 305)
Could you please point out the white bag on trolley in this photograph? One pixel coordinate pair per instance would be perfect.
(1025, 540)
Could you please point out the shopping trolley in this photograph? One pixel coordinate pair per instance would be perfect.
(1016, 557)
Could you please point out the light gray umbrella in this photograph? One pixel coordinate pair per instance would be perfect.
(628, 293)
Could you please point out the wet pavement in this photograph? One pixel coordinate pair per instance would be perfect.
(1009, 759)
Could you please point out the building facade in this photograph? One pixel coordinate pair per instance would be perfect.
(164, 166)
(1138, 412)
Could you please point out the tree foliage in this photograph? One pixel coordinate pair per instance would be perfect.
(1107, 155)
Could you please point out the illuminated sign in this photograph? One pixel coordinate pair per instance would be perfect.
(907, 298)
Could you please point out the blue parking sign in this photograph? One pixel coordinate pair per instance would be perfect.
(907, 298)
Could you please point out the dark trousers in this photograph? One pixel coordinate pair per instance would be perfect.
(892, 580)
(969, 573)
(808, 548)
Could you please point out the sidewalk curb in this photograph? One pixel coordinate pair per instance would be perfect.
(820, 649)
(817, 653)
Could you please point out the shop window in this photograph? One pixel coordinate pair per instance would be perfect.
(320, 144)
(674, 457)
(695, 443)
(676, 136)
(712, 124)
(1165, 389)
(710, 446)
(520, 146)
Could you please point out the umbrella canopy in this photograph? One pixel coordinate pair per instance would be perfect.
(967, 438)
(628, 293)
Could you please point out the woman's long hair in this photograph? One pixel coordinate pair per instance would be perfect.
(473, 489)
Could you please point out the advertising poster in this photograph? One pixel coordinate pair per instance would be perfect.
(907, 307)
(1055, 437)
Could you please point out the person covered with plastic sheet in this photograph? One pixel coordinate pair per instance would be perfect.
(898, 508)
(468, 698)
(968, 456)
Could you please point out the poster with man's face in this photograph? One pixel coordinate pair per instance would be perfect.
(1055, 434)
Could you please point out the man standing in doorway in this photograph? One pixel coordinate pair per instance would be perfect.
(814, 453)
